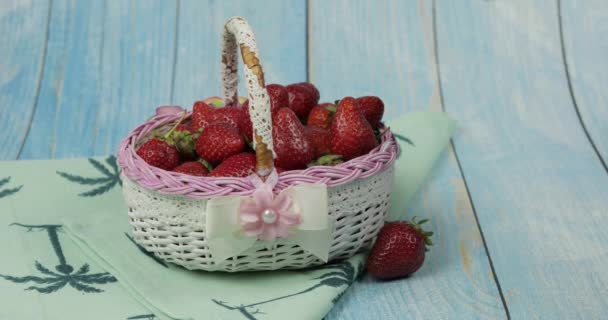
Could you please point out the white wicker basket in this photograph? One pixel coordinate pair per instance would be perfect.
(167, 210)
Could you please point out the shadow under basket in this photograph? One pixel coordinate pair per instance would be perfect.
(167, 209)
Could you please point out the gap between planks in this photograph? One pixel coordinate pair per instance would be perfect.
(463, 176)
(571, 89)
(39, 82)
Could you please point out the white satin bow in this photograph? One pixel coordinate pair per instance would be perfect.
(229, 219)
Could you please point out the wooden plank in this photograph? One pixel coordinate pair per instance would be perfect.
(280, 30)
(109, 65)
(585, 26)
(23, 37)
(386, 49)
(538, 188)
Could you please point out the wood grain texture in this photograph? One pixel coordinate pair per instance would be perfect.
(539, 190)
(280, 28)
(23, 26)
(109, 63)
(585, 40)
(386, 49)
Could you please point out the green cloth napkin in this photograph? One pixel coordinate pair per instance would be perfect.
(68, 253)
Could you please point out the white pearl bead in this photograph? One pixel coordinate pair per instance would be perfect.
(269, 216)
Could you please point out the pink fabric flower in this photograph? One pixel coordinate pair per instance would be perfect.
(163, 110)
(268, 217)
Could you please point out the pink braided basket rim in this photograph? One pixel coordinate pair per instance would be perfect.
(174, 183)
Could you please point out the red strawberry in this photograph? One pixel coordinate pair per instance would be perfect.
(291, 144)
(204, 115)
(201, 115)
(352, 135)
(399, 250)
(320, 139)
(159, 153)
(321, 115)
(193, 168)
(239, 165)
(301, 100)
(312, 89)
(218, 142)
(372, 109)
(278, 96)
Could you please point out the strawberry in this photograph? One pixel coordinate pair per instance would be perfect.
(320, 139)
(301, 100)
(278, 96)
(291, 144)
(193, 168)
(321, 115)
(399, 250)
(372, 108)
(159, 153)
(239, 165)
(204, 115)
(201, 114)
(218, 142)
(312, 89)
(351, 134)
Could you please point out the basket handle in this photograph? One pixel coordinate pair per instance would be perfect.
(238, 31)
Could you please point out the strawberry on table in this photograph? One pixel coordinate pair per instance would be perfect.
(372, 108)
(399, 250)
(301, 100)
(218, 142)
(321, 115)
(159, 153)
(292, 146)
(239, 165)
(193, 168)
(352, 135)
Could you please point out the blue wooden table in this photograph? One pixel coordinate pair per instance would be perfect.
(519, 202)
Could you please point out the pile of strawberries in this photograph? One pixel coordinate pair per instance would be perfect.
(216, 141)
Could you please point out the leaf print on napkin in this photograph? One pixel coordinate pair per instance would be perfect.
(338, 275)
(5, 192)
(110, 177)
(51, 281)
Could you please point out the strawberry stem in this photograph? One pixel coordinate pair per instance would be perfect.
(331, 108)
(426, 235)
(176, 125)
(206, 164)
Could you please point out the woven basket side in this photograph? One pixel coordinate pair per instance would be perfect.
(173, 227)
